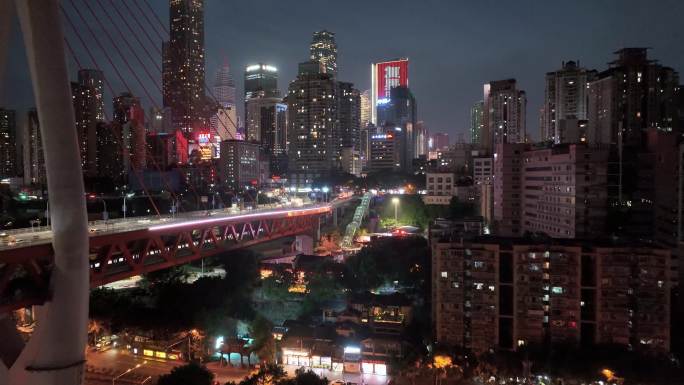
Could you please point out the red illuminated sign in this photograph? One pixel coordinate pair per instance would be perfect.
(389, 75)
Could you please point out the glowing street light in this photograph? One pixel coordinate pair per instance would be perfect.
(395, 200)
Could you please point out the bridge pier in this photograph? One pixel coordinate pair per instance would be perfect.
(56, 352)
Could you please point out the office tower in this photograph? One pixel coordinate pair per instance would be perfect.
(183, 65)
(350, 161)
(95, 79)
(349, 116)
(267, 125)
(384, 77)
(129, 120)
(86, 107)
(476, 123)
(565, 98)
(34, 158)
(8, 143)
(491, 292)
(365, 108)
(261, 80)
(224, 121)
(440, 141)
(312, 104)
(504, 113)
(385, 151)
(365, 141)
(239, 164)
(399, 111)
(422, 138)
(634, 94)
(324, 50)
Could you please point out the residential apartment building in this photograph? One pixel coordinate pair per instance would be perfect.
(507, 293)
(560, 191)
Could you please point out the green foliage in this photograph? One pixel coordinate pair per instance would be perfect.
(458, 209)
(260, 330)
(405, 260)
(267, 375)
(304, 377)
(190, 374)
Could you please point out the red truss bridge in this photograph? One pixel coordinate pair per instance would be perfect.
(120, 249)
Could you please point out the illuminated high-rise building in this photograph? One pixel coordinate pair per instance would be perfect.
(476, 122)
(86, 111)
(183, 65)
(34, 158)
(384, 77)
(565, 98)
(504, 113)
(8, 143)
(312, 124)
(365, 108)
(94, 78)
(267, 125)
(261, 80)
(324, 50)
(224, 121)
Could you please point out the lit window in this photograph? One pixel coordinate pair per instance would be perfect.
(444, 274)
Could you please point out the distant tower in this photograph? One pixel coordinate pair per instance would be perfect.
(504, 113)
(87, 108)
(95, 79)
(34, 159)
(261, 80)
(8, 143)
(324, 50)
(565, 98)
(130, 117)
(365, 108)
(224, 121)
(476, 122)
(183, 65)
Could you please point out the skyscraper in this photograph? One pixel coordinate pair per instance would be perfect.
(365, 108)
(34, 159)
(349, 116)
(633, 95)
(183, 65)
(565, 98)
(94, 78)
(8, 143)
(130, 119)
(384, 77)
(224, 120)
(267, 125)
(324, 50)
(86, 107)
(504, 113)
(399, 111)
(440, 141)
(261, 80)
(476, 122)
(312, 123)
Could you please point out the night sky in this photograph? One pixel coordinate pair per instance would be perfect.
(453, 46)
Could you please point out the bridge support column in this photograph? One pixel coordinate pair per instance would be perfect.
(335, 217)
(56, 352)
(304, 244)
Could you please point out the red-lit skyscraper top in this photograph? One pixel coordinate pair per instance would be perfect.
(385, 76)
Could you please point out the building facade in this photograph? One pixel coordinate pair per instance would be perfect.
(8, 143)
(565, 98)
(183, 66)
(476, 122)
(239, 164)
(312, 103)
(324, 50)
(504, 113)
(633, 95)
(504, 293)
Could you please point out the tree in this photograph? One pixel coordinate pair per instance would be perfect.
(304, 377)
(190, 374)
(260, 330)
(267, 375)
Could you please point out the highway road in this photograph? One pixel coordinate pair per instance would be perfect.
(12, 239)
(18, 238)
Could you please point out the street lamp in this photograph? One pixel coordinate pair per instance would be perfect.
(129, 195)
(325, 191)
(395, 200)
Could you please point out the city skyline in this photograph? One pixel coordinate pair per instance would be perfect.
(283, 41)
